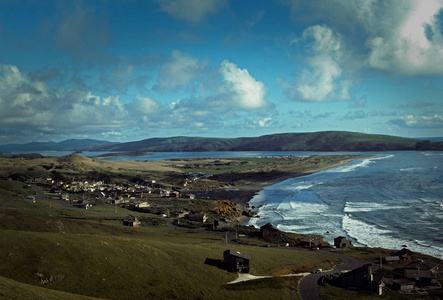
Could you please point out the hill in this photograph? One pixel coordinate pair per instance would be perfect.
(315, 141)
(309, 141)
(67, 145)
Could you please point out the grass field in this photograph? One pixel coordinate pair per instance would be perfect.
(88, 254)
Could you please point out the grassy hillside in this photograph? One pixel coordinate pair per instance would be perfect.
(83, 253)
(316, 141)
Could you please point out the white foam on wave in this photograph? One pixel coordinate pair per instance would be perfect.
(305, 186)
(373, 236)
(362, 164)
(351, 207)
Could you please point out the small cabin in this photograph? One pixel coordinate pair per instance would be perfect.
(236, 261)
(269, 232)
(342, 242)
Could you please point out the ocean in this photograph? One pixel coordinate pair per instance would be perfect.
(388, 201)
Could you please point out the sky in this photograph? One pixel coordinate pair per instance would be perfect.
(130, 70)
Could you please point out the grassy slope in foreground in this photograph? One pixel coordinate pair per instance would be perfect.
(99, 258)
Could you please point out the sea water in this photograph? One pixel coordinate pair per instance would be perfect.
(389, 201)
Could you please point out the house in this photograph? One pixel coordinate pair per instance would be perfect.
(342, 242)
(236, 261)
(403, 284)
(367, 277)
(422, 265)
(391, 260)
(131, 221)
(198, 217)
(420, 277)
(312, 240)
(269, 232)
(404, 254)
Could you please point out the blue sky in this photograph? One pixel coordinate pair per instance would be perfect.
(131, 70)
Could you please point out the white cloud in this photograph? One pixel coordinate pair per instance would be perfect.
(193, 11)
(246, 92)
(144, 106)
(324, 80)
(414, 45)
(401, 38)
(424, 121)
(178, 72)
(32, 105)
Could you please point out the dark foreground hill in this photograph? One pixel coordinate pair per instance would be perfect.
(315, 141)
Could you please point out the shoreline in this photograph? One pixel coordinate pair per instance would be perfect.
(252, 188)
(244, 193)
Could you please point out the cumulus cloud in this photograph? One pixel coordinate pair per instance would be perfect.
(402, 39)
(424, 121)
(324, 80)
(244, 90)
(415, 45)
(257, 123)
(178, 72)
(32, 105)
(144, 106)
(193, 11)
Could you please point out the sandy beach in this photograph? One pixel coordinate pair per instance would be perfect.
(242, 194)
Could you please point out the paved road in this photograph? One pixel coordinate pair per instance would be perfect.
(308, 287)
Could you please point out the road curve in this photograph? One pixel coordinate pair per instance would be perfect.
(308, 287)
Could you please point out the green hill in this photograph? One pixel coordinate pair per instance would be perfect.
(315, 141)
(68, 254)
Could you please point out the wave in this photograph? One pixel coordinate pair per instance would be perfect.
(373, 236)
(351, 207)
(362, 164)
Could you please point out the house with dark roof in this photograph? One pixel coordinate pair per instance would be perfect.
(269, 232)
(391, 260)
(235, 261)
(404, 254)
(368, 277)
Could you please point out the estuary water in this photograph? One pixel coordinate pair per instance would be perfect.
(389, 201)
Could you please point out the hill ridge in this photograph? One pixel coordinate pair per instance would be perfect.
(306, 141)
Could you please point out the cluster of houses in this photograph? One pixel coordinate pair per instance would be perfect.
(401, 273)
(118, 194)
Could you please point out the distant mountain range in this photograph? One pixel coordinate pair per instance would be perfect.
(67, 145)
(312, 141)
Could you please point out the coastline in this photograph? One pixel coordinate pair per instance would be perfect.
(253, 187)
(244, 193)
